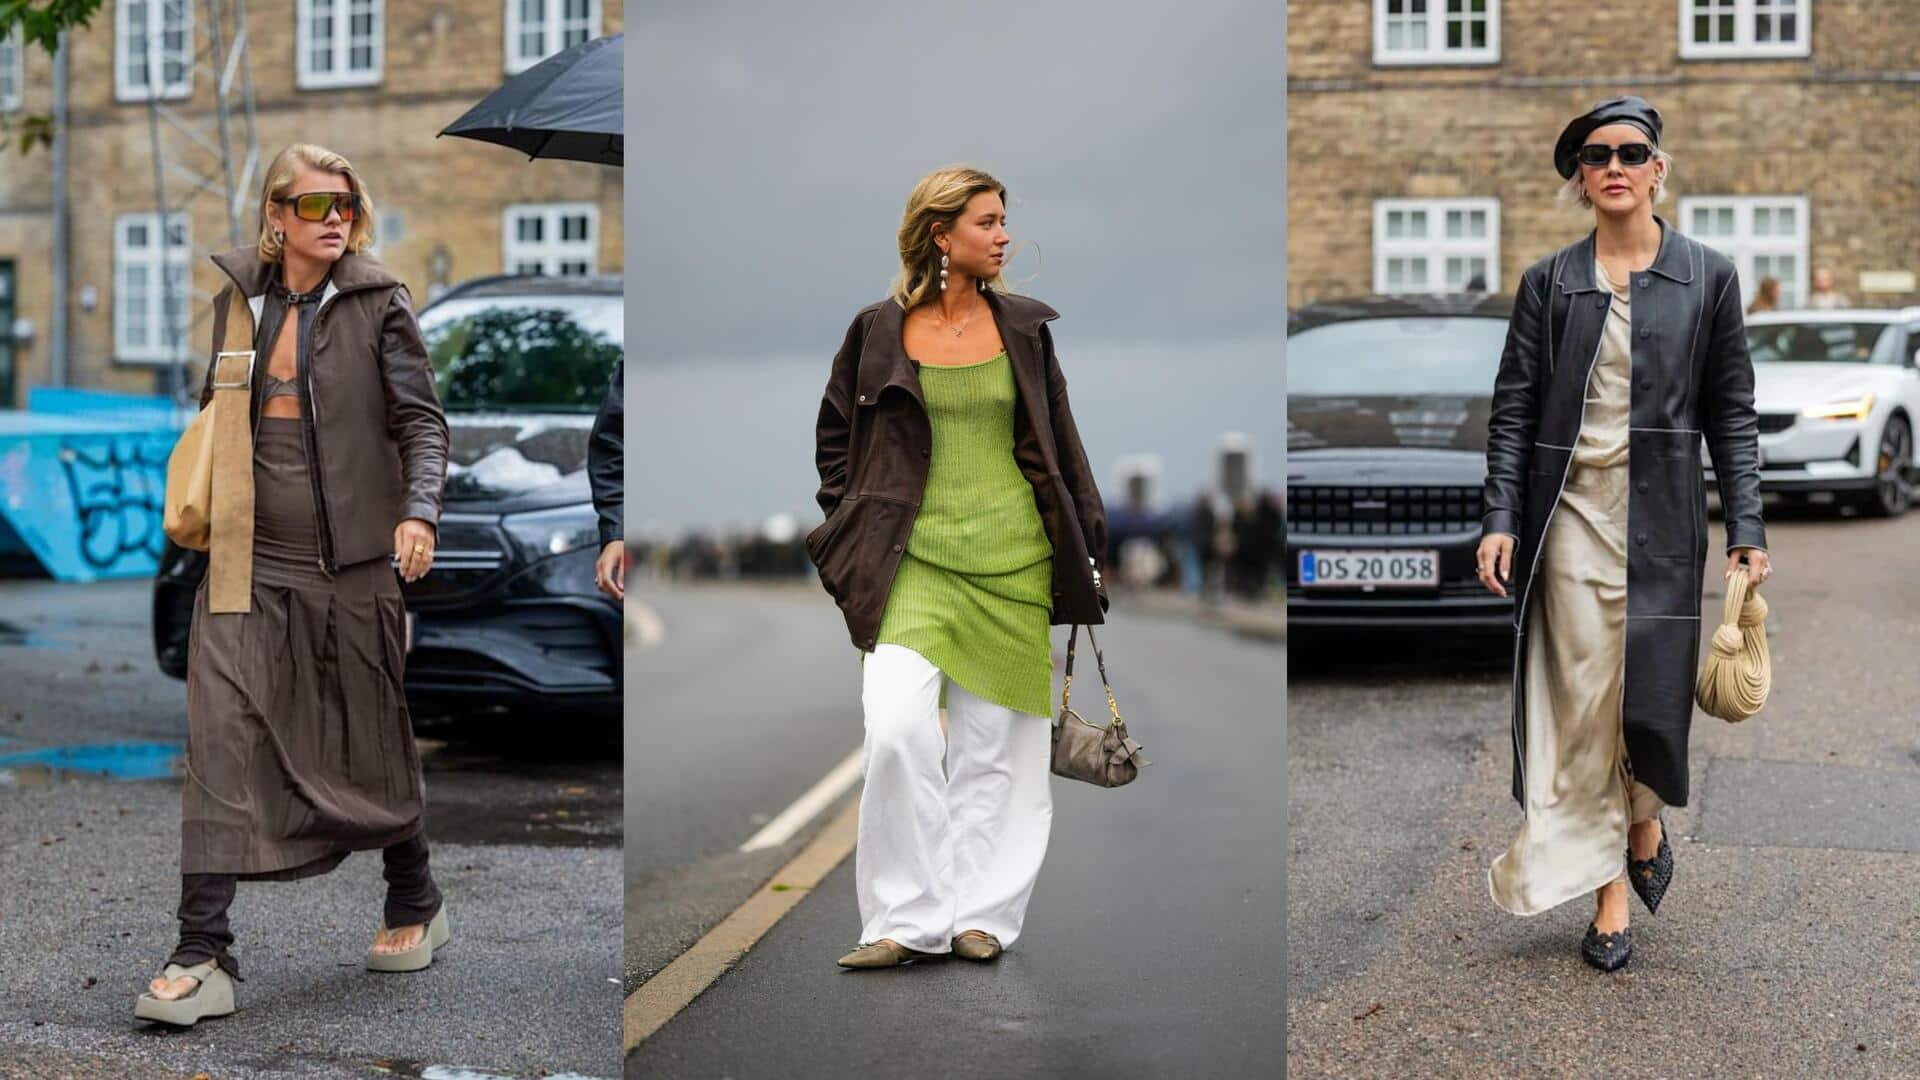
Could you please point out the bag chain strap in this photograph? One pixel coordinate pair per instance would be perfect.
(1066, 688)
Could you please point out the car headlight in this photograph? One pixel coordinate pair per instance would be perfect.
(1848, 409)
(543, 533)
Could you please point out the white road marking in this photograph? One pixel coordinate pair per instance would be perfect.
(808, 806)
(645, 624)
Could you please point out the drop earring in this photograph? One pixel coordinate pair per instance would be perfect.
(943, 271)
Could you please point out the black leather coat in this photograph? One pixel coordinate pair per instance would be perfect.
(606, 454)
(1691, 377)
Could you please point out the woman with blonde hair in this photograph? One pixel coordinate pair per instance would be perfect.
(1766, 297)
(1624, 350)
(299, 748)
(962, 520)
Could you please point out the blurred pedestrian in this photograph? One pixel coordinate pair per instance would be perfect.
(1248, 557)
(1203, 529)
(1270, 527)
(1823, 297)
(1766, 297)
(1595, 755)
(962, 520)
(606, 472)
(299, 745)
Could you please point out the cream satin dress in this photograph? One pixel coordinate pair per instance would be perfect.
(1580, 794)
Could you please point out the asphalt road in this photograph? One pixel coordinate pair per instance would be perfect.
(1152, 945)
(1786, 945)
(525, 830)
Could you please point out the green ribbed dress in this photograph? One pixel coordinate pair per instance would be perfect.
(974, 592)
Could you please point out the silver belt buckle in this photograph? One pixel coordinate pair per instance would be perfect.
(243, 383)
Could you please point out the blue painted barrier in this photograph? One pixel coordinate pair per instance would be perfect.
(81, 483)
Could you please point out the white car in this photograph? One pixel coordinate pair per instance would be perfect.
(1838, 393)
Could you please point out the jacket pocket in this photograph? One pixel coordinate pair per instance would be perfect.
(826, 545)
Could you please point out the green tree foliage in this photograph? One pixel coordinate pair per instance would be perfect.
(39, 23)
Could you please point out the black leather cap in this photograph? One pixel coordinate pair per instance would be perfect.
(1620, 110)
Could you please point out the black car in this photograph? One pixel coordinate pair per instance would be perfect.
(1387, 404)
(509, 615)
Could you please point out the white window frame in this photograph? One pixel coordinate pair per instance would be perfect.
(1435, 249)
(1436, 51)
(13, 70)
(1745, 18)
(552, 32)
(549, 251)
(124, 88)
(340, 45)
(154, 260)
(1743, 246)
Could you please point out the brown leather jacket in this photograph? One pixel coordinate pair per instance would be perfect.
(872, 446)
(376, 434)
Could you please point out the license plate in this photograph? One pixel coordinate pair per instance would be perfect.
(1398, 569)
(409, 621)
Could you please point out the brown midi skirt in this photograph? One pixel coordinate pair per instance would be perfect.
(299, 744)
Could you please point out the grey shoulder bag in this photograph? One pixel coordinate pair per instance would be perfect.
(1106, 756)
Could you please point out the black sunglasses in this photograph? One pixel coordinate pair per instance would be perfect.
(1633, 153)
(316, 205)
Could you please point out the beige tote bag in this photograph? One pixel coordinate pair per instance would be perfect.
(209, 500)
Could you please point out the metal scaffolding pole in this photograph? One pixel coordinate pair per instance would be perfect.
(199, 149)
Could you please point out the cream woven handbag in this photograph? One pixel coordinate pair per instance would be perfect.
(209, 498)
(1738, 672)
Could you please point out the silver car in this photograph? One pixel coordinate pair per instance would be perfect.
(1838, 393)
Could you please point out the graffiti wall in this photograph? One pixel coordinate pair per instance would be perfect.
(81, 487)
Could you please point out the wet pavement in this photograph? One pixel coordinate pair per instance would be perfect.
(1785, 947)
(524, 819)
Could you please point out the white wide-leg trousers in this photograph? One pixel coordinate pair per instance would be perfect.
(944, 850)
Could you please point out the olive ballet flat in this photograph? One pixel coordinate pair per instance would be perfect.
(1608, 952)
(1650, 877)
(976, 945)
(213, 997)
(883, 953)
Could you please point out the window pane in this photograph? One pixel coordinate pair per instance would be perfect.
(1480, 34)
(573, 227)
(1763, 221)
(1417, 223)
(1396, 35)
(1785, 223)
(529, 230)
(1456, 36)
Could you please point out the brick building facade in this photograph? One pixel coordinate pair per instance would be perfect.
(375, 80)
(1421, 132)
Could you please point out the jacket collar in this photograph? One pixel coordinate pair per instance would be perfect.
(884, 361)
(1674, 260)
(253, 274)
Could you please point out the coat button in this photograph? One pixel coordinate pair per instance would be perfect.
(1640, 539)
(926, 453)
(1601, 302)
(1646, 331)
(1643, 485)
(1646, 384)
(1645, 281)
(863, 397)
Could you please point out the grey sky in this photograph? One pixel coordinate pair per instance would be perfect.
(774, 145)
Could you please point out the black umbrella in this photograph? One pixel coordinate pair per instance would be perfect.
(566, 106)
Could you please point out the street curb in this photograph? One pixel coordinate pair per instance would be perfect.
(662, 997)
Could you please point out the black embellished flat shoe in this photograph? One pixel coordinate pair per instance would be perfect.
(1650, 877)
(1608, 952)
